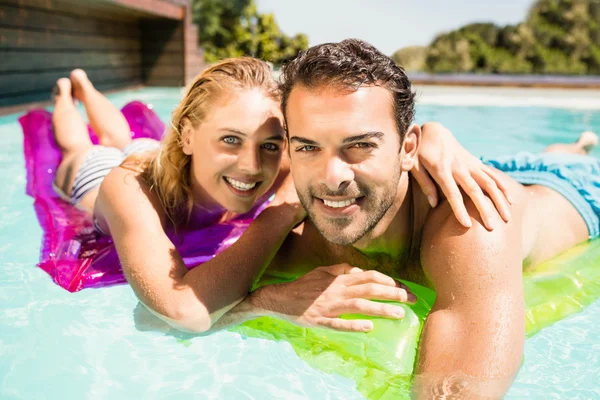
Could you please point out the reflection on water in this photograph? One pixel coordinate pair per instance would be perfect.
(433, 386)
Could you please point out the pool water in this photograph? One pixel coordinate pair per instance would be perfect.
(94, 344)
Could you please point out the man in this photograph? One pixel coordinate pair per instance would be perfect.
(349, 112)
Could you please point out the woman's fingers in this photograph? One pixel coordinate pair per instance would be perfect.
(370, 277)
(473, 190)
(497, 177)
(426, 183)
(490, 187)
(450, 189)
(475, 179)
(370, 308)
(374, 291)
(346, 325)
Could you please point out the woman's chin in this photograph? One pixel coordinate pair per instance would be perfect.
(239, 207)
(243, 204)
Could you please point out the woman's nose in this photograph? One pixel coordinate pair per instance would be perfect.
(249, 161)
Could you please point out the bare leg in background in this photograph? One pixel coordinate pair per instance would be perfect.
(586, 142)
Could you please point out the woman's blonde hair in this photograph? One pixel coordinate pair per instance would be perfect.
(168, 173)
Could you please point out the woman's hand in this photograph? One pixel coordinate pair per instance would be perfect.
(442, 158)
(322, 296)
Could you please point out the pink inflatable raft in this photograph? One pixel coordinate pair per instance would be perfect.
(72, 252)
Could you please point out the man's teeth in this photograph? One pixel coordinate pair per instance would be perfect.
(240, 185)
(339, 204)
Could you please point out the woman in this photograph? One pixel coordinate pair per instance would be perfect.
(221, 157)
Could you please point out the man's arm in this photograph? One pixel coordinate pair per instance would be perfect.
(473, 338)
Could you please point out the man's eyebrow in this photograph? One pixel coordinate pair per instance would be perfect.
(363, 136)
(303, 140)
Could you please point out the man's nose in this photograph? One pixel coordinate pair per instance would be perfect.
(338, 174)
(249, 161)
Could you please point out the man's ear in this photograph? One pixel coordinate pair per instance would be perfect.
(187, 136)
(410, 147)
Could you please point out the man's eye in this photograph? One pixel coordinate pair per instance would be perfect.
(306, 148)
(231, 140)
(362, 145)
(271, 147)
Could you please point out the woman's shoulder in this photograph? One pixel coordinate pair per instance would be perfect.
(124, 181)
(124, 193)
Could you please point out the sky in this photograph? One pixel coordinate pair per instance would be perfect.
(388, 24)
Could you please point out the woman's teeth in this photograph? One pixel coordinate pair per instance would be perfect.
(240, 185)
(339, 204)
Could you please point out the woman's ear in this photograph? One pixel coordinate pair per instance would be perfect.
(187, 136)
(410, 147)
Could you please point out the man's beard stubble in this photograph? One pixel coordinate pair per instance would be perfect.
(372, 210)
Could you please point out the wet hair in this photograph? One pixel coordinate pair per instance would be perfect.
(348, 65)
(169, 172)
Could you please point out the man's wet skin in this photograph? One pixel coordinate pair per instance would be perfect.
(410, 212)
(476, 326)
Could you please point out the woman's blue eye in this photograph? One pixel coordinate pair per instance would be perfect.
(271, 147)
(230, 140)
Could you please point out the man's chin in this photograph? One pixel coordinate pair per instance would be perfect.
(339, 236)
(341, 240)
(340, 231)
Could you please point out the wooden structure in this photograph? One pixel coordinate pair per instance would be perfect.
(120, 43)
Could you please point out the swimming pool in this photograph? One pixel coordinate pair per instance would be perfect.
(93, 344)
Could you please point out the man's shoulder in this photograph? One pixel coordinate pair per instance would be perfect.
(448, 248)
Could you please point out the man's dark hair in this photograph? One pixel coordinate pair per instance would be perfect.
(349, 65)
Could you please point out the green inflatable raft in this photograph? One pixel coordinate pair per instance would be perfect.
(381, 362)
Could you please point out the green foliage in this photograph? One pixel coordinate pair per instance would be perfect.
(233, 28)
(558, 37)
(449, 53)
(411, 58)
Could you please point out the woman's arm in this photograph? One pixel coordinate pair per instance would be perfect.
(189, 300)
(443, 161)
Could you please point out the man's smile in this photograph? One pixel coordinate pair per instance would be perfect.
(339, 207)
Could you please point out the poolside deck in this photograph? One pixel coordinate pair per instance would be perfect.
(507, 80)
(120, 43)
(464, 96)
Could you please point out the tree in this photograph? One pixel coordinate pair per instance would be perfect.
(558, 36)
(233, 28)
(411, 58)
(449, 53)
